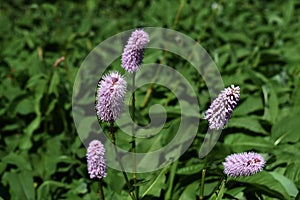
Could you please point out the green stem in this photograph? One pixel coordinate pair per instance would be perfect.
(168, 194)
(100, 190)
(113, 140)
(133, 138)
(201, 196)
(150, 88)
(182, 3)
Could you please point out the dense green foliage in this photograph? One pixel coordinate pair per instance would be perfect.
(255, 44)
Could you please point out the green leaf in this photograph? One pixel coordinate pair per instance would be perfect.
(286, 183)
(190, 169)
(26, 142)
(25, 106)
(264, 182)
(18, 160)
(190, 191)
(249, 123)
(288, 11)
(251, 104)
(218, 195)
(115, 181)
(79, 186)
(157, 183)
(271, 103)
(236, 191)
(44, 190)
(286, 130)
(54, 83)
(285, 154)
(51, 106)
(296, 95)
(21, 184)
(293, 172)
(240, 142)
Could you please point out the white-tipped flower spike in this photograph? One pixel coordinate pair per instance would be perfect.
(243, 164)
(221, 108)
(110, 96)
(134, 50)
(96, 160)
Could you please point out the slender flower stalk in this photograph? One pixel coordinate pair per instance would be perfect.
(110, 96)
(201, 196)
(221, 108)
(134, 50)
(132, 58)
(113, 140)
(134, 177)
(100, 190)
(243, 164)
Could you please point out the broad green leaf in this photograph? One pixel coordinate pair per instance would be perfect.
(86, 126)
(155, 185)
(85, 25)
(21, 184)
(240, 142)
(190, 191)
(249, 123)
(251, 104)
(18, 160)
(296, 93)
(44, 190)
(218, 195)
(79, 187)
(25, 106)
(264, 182)
(288, 9)
(115, 181)
(234, 192)
(190, 169)
(293, 172)
(285, 154)
(286, 183)
(286, 130)
(10, 89)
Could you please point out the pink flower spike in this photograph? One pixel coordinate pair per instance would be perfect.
(96, 160)
(110, 96)
(134, 50)
(222, 107)
(243, 164)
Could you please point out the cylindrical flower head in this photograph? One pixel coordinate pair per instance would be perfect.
(243, 164)
(96, 160)
(134, 50)
(221, 108)
(110, 96)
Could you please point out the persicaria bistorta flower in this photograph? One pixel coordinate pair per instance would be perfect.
(96, 160)
(221, 108)
(134, 50)
(243, 164)
(110, 96)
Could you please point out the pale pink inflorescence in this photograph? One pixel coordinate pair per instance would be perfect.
(134, 50)
(110, 96)
(243, 164)
(221, 108)
(96, 160)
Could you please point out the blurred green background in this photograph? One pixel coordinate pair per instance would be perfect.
(255, 44)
